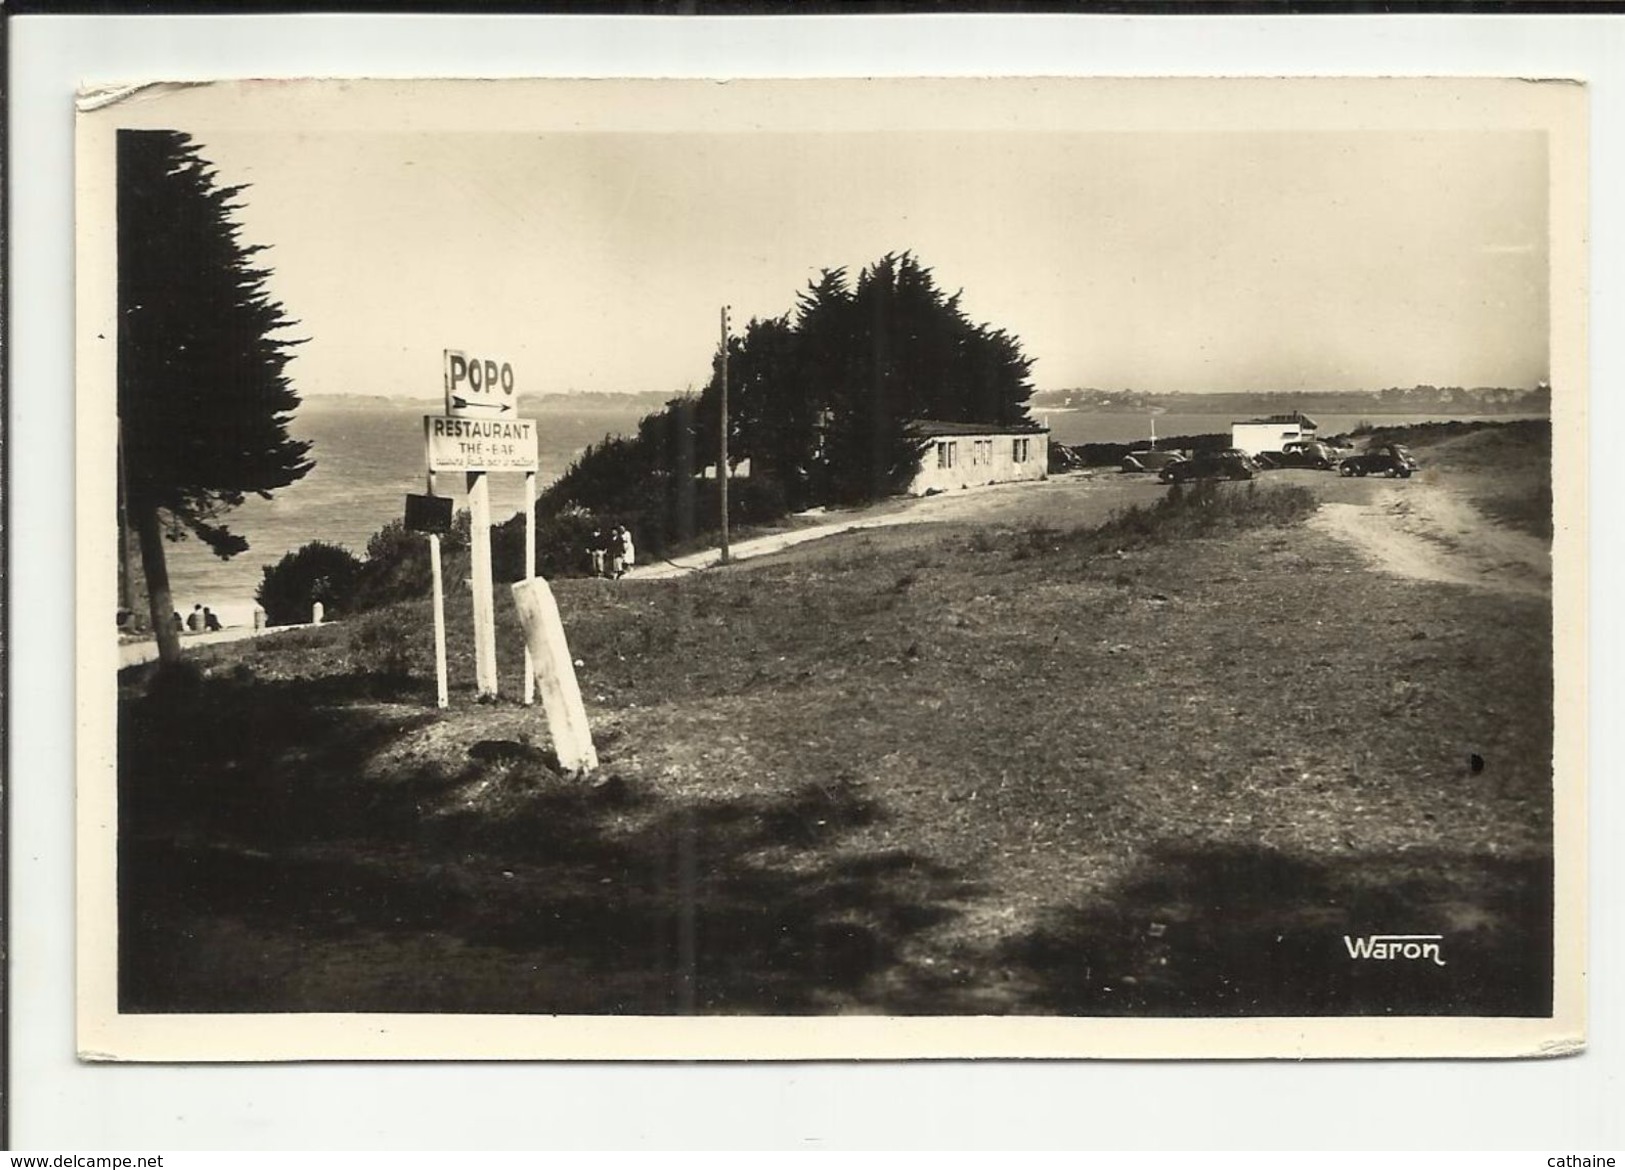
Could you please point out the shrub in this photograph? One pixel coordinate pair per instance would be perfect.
(380, 646)
(396, 568)
(316, 572)
(1200, 509)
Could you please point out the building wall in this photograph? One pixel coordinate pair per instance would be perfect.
(1255, 437)
(994, 463)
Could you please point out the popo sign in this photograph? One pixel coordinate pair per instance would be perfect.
(478, 387)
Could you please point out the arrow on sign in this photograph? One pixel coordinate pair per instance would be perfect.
(465, 404)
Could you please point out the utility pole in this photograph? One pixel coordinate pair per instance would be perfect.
(126, 579)
(722, 459)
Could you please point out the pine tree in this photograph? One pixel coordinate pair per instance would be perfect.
(203, 399)
(820, 400)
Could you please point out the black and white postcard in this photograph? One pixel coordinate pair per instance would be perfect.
(611, 569)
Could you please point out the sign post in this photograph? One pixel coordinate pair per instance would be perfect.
(478, 434)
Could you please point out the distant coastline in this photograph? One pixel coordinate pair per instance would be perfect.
(1448, 401)
(644, 401)
(1451, 401)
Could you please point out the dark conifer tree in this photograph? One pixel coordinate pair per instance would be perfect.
(820, 400)
(203, 400)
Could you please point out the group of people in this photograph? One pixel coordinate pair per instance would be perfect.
(200, 620)
(611, 553)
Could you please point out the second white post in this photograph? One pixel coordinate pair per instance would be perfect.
(485, 626)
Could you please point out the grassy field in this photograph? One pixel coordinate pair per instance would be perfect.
(1160, 767)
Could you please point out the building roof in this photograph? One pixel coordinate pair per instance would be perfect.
(930, 428)
(1297, 416)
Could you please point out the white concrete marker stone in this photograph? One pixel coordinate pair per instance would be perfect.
(555, 676)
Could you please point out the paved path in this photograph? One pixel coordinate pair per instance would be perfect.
(135, 653)
(758, 546)
(1008, 500)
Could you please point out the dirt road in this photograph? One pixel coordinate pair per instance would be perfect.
(1425, 528)
(1429, 531)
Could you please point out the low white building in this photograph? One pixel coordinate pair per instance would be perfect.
(961, 455)
(1271, 433)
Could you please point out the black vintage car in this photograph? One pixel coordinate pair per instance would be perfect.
(1231, 464)
(1391, 459)
(1301, 453)
(1147, 460)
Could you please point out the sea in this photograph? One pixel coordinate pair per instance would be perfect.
(369, 457)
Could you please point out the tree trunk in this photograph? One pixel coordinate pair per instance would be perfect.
(153, 567)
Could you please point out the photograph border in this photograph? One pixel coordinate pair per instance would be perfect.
(62, 1103)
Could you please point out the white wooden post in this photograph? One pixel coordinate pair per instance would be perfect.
(530, 572)
(442, 691)
(485, 628)
(443, 699)
(555, 675)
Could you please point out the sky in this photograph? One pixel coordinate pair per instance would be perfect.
(1153, 260)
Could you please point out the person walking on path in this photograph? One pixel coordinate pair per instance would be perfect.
(629, 554)
(595, 551)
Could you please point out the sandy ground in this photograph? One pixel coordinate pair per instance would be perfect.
(1428, 531)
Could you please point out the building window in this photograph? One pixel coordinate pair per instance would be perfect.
(981, 452)
(1020, 452)
(945, 454)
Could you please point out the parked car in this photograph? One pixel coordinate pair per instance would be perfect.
(1390, 459)
(1231, 464)
(1340, 446)
(1302, 453)
(1063, 459)
(1149, 460)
